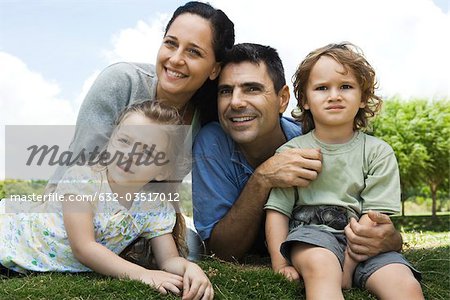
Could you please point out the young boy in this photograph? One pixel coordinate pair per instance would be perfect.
(335, 88)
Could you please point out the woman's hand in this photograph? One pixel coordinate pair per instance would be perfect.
(163, 282)
(196, 284)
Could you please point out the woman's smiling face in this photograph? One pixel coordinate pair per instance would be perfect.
(185, 59)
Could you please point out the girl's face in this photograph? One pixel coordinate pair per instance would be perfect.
(333, 95)
(140, 147)
(185, 59)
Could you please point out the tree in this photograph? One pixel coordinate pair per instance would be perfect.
(437, 141)
(400, 124)
(419, 132)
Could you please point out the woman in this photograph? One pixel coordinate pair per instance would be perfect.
(185, 75)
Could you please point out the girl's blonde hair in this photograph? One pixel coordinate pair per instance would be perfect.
(350, 56)
(164, 114)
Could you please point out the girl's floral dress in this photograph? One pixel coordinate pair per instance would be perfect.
(37, 240)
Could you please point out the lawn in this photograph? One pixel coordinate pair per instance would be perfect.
(427, 246)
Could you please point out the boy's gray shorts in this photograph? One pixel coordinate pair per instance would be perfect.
(336, 243)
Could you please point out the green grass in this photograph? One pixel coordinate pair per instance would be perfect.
(427, 247)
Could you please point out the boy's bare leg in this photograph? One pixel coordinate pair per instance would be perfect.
(321, 271)
(394, 281)
(348, 270)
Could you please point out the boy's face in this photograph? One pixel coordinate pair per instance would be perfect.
(143, 143)
(248, 105)
(333, 95)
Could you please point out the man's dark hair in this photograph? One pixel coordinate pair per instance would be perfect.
(256, 54)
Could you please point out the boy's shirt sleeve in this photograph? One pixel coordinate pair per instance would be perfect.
(282, 199)
(382, 185)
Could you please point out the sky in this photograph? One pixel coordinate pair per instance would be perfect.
(52, 50)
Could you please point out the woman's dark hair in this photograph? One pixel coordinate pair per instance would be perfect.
(205, 99)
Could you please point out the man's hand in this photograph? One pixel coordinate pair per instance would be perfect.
(367, 240)
(293, 167)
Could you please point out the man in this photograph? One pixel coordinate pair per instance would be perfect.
(235, 167)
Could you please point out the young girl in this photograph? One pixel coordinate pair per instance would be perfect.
(107, 206)
(335, 87)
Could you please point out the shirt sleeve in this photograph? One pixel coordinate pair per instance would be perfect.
(106, 99)
(214, 187)
(79, 180)
(382, 185)
(159, 220)
(281, 200)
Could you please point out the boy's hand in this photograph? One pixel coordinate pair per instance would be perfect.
(196, 284)
(289, 272)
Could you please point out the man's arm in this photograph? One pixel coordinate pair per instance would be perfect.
(235, 233)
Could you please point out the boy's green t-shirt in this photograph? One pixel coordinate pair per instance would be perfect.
(360, 175)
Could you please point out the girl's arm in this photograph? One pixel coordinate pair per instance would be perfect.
(78, 221)
(277, 226)
(196, 284)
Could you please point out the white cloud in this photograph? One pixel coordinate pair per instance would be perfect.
(26, 98)
(140, 43)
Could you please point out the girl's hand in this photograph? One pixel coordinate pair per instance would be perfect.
(289, 272)
(162, 281)
(196, 284)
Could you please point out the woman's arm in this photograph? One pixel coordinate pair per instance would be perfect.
(78, 220)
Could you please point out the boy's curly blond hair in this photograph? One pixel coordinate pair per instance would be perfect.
(350, 56)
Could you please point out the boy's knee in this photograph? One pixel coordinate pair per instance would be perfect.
(395, 280)
(410, 285)
(313, 260)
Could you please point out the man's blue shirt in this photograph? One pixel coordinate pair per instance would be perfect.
(220, 172)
